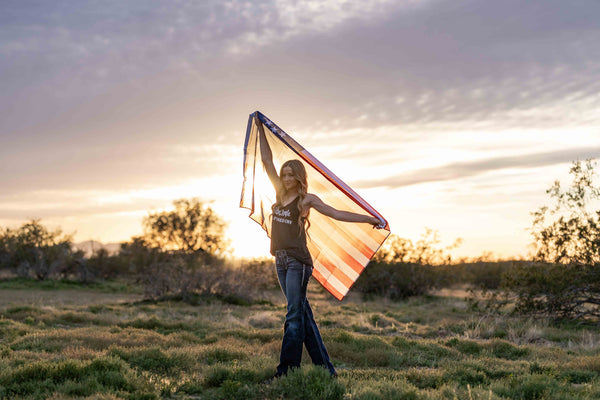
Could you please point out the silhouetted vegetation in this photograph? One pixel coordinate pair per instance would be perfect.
(183, 254)
(191, 228)
(563, 280)
(401, 269)
(34, 251)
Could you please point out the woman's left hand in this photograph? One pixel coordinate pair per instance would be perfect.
(375, 222)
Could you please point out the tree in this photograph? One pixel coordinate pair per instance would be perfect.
(191, 227)
(569, 232)
(426, 251)
(34, 251)
(563, 282)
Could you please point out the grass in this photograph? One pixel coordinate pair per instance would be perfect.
(434, 347)
(66, 284)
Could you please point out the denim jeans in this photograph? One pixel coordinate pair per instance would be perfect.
(300, 326)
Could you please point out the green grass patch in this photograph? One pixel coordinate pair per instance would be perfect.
(307, 383)
(215, 350)
(421, 353)
(65, 284)
(156, 360)
(468, 347)
(506, 350)
(154, 323)
(73, 378)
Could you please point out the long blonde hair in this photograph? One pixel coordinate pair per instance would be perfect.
(299, 173)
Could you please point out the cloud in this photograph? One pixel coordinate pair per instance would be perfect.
(446, 60)
(461, 170)
(113, 167)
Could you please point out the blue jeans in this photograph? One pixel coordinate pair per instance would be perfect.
(300, 326)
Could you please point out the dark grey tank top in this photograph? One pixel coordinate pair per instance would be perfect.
(286, 233)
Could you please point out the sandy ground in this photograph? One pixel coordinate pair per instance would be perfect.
(35, 297)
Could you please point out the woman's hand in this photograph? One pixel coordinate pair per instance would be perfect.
(375, 222)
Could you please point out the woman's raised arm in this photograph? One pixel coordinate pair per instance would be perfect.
(267, 155)
(315, 202)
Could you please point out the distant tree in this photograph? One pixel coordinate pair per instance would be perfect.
(32, 250)
(563, 281)
(191, 227)
(569, 232)
(426, 251)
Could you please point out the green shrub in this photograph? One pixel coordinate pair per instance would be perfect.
(235, 390)
(156, 324)
(528, 387)
(40, 379)
(219, 355)
(503, 349)
(155, 360)
(465, 374)
(577, 376)
(358, 350)
(217, 374)
(564, 282)
(425, 378)
(307, 383)
(396, 280)
(420, 353)
(191, 387)
(469, 347)
(387, 390)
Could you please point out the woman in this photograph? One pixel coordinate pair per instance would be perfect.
(292, 258)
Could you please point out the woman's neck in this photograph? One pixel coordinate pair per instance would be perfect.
(289, 195)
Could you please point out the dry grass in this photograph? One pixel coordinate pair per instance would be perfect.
(422, 348)
(62, 298)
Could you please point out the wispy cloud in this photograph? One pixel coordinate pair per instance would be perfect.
(461, 170)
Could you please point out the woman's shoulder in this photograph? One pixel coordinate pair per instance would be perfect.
(310, 199)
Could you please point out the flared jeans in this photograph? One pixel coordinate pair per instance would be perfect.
(300, 327)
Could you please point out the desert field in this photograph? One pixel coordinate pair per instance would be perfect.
(67, 341)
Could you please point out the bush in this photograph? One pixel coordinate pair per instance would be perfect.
(563, 282)
(33, 251)
(555, 290)
(396, 280)
(401, 269)
(307, 383)
(40, 379)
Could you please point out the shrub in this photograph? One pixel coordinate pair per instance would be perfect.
(528, 387)
(465, 346)
(307, 383)
(40, 379)
(502, 349)
(396, 280)
(401, 269)
(34, 251)
(563, 282)
(559, 291)
(155, 360)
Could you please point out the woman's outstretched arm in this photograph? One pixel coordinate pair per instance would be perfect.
(312, 200)
(267, 155)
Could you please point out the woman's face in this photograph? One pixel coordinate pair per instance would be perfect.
(288, 180)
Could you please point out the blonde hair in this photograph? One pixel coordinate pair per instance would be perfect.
(299, 173)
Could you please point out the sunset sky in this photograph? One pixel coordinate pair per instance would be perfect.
(455, 115)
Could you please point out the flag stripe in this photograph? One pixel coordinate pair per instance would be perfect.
(335, 242)
(361, 232)
(333, 268)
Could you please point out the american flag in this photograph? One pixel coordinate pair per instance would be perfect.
(340, 250)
